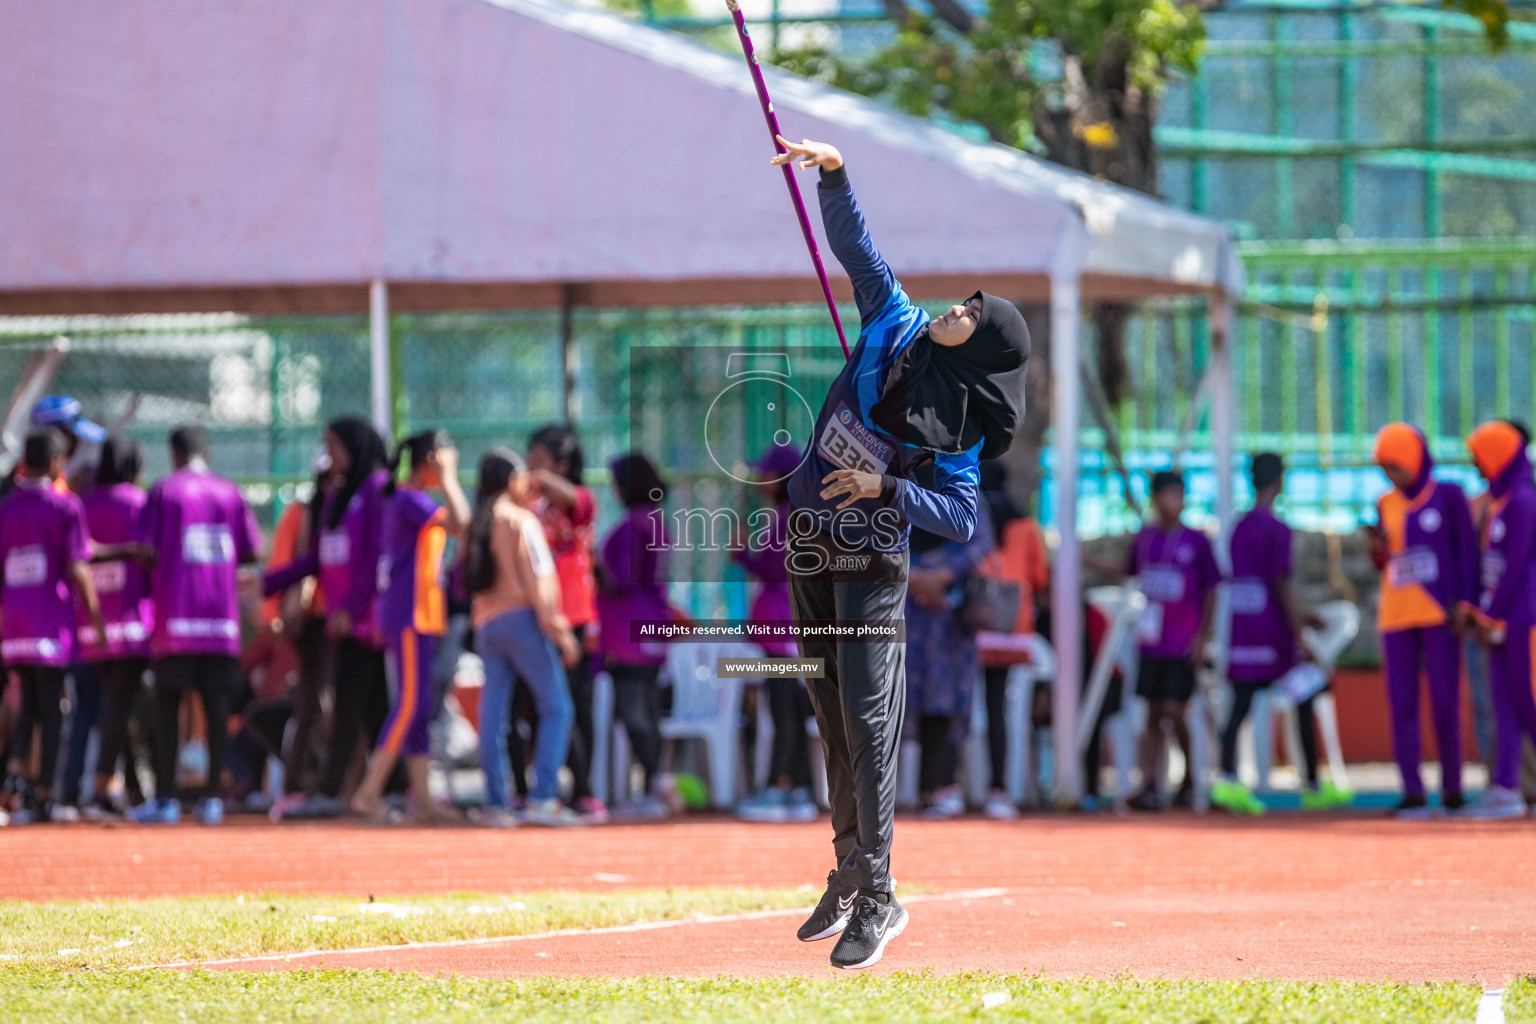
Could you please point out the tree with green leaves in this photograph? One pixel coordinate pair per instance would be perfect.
(1076, 81)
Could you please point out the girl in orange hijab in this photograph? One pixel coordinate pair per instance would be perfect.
(1426, 546)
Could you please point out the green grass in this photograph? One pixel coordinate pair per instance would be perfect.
(1520, 1001)
(128, 932)
(51, 996)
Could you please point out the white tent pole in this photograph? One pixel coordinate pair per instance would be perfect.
(378, 351)
(1223, 429)
(568, 410)
(1066, 581)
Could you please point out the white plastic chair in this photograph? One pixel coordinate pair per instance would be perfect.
(706, 708)
(703, 707)
(1203, 716)
(1020, 765)
(1341, 624)
(974, 760)
(1122, 606)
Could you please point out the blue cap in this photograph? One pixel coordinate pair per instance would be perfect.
(63, 412)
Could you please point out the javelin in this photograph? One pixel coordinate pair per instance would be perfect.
(789, 171)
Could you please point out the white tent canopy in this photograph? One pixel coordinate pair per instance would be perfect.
(277, 152)
(288, 155)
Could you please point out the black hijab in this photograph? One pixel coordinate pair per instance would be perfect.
(366, 452)
(946, 398)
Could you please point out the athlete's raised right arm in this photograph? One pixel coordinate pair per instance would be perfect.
(873, 281)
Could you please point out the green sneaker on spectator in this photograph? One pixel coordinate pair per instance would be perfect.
(1326, 797)
(1236, 797)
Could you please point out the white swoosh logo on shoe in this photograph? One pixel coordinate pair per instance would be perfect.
(845, 905)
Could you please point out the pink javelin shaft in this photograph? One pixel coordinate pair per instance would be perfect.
(789, 170)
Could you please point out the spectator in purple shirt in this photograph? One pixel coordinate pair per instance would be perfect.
(634, 588)
(413, 615)
(1177, 571)
(197, 530)
(1266, 630)
(45, 551)
(1503, 619)
(112, 509)
(346, 545)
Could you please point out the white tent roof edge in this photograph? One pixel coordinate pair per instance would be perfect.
(1127, 233)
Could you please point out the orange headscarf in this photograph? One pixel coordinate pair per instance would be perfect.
(1494, 446)
(1399, 444)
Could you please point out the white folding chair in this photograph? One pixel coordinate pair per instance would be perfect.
(1021, 765)
(707, 708)
(1203, 715)
(1122, 606)
(974, 760)
(1341, 624)
(703, 707)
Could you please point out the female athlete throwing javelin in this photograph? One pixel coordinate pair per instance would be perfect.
(915, 389)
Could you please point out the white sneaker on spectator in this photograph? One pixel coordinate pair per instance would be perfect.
(948, 802)
(493, 817)
(802, 806)
(1000, 806)
(63, 814)
(771, 806)
(550, 813)
(1496, 803)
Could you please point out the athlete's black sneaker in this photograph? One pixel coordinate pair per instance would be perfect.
(831, 914)
(873, 926)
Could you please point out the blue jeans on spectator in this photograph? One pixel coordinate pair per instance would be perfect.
(84, 712)
(512, 646)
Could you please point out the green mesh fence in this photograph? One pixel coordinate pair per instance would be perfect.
(1332, 341)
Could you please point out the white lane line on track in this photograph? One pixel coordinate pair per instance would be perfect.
(1490, 1008)
(619, 929)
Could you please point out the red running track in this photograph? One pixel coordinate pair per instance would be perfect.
(1176, 896)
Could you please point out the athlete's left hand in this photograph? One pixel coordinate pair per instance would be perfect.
(852, 482)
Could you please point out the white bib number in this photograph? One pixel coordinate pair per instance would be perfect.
(1493, 569)
(850, 444)
(1248, 597)
(1417, 565)
(335, 547)
(26, 567)
(207, 544)
(1163, 584)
